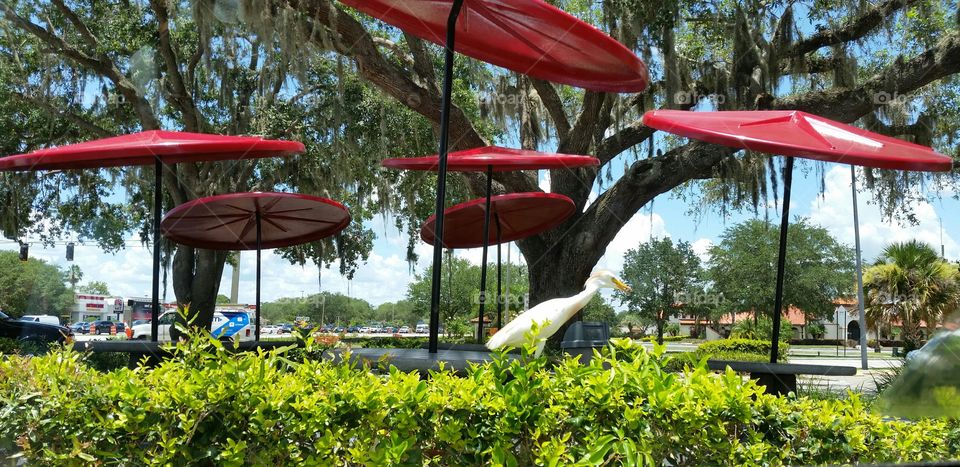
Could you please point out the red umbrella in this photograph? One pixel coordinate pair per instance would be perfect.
(492, 159)
(516, 216)
(799, 134)
(151, 147)
(147, 148)
(796, 134)
(527, 36)
(248, 221)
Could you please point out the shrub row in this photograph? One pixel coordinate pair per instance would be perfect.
(742, 346)
(668, 338)
(208, 406)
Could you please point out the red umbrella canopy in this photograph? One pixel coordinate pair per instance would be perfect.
(799, 134)
(142, 149)
(229, 222)
(521, 215)
(500, 159)
(527, 36)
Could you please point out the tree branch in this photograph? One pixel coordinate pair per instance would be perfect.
(853, 30)
(102, 66)
(77, 120)
(579, 139)
(180, 96)
(551, 100)
(79, 24)
(422, 63)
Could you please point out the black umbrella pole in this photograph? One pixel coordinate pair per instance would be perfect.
(781, 259)
(499, 276)
(257, 313)
(483, 262)
(442, 174)
(157, 207)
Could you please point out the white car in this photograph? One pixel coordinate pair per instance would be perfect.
(45, 319)
(271, 329)
(404, 329)
(228, 325)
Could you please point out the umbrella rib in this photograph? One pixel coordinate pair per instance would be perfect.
(226, 224)
(271, 222)
(248, 211)
(211, 216)
(288, 211)
(303, 219)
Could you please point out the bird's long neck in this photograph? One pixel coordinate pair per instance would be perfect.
(581, 300)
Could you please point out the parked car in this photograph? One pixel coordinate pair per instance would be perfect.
(404, 329)
(271, 329)
(48, 319)
(80, 327)
(138, 322)
(33, 331)
(286, 328)
(105, 326)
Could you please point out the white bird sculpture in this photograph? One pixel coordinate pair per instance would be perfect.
(557, 311)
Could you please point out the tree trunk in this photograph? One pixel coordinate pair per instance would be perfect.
(558, 265)
(196, 282)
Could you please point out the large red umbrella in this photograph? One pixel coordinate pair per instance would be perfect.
(516, 216)
(528, 36)
(796, 134)
(248, 221)
(491, 159)
(151, 147)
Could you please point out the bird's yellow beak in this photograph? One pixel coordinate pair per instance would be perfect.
(621, 286)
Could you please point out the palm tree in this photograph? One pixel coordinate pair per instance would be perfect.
(911, 284)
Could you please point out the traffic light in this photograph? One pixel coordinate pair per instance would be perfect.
(24, 251)
(70, 251)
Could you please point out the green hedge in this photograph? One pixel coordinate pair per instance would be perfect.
(207, 406)
(668, 338)
(715, 349)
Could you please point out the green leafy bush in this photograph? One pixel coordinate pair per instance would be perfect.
(668, 338)
(761, 329)
(714, 349)
(209, 406)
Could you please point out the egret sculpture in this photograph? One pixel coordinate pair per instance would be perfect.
(554, 313)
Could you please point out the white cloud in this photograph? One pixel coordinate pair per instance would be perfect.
(636, 231)
(128, 272)
(702, 248)
(834, 211)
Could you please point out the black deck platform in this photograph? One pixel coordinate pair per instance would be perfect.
(780, 378)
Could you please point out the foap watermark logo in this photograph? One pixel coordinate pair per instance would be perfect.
(693, 98)
(699, 298)
(509, 299)
(886, 98)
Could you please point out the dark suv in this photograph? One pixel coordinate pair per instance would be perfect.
(33, 331)
(103, 327)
